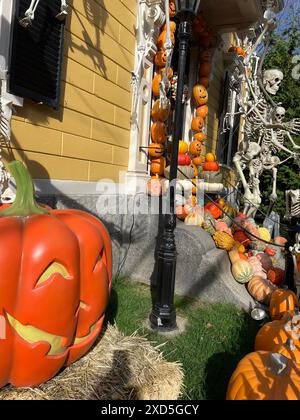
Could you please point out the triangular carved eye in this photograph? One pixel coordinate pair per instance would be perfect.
(54, 268)
(100, 260)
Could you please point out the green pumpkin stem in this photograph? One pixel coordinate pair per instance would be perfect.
(24, 204)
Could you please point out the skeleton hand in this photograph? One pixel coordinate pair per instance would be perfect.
(293, 126)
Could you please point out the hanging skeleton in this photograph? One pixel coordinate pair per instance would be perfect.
(264, 129)
(28, 18)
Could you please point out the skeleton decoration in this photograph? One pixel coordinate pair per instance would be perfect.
(151, 17)
(265, 132)
(27, 20)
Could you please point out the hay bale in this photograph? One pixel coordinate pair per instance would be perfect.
(118, 368)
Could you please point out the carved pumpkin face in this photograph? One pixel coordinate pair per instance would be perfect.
(156, 150)
(161, 59)
(172, 9)
(159, 113)
(195, 148)
(197, 124)
(55, 279)
(200, 94)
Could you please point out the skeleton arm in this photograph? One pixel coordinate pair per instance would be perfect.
(292, 141)
(26, 21)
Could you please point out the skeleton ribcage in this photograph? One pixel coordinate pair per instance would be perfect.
(253, 126)
(295, 206)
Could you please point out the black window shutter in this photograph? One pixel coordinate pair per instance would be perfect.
(37, 53)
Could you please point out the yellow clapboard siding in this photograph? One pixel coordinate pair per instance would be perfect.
(64, 120)
(35, 138)
(124, 79)
(131, 5)
(78, 75)
(122, 118)
(112, 93)
(120, 156)
(97, 16)
(109, 133)
(79, 147)
(46, 166)
(79, 51)
(102, 171)
(88, 104)
(119, 12)
(127, 39)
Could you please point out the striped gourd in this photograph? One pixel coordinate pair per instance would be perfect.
(242, 271)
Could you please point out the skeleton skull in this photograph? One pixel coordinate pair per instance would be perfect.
(272, 80)
(279, 114)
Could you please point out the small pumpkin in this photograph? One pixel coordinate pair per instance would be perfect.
(184, 159)
(261, 290)
(194, 219)
(195, 148)
(197, 160)
(161, 58)
(200, 137)
(197, 124)
(172, 26)
(158, 166)
(211, 166)
(214, 210)
(222, 227)
(282, 301)
(156, 84)
(224, 241)
(257, 267)
(183, 147)
(276, 275)
(154, 187)
(158, 132)
(161, 40)
(205, 69)
(289, 350)
(181, 212)
(265, 376)
(204, 81)
(265, 260)
(241, 237)
(200, 94)
(172, 9)
(279, 240)
(156, 149)
(242, 271)
(160, 114)
(234, 255)
(264, 234)
(202, 111)
(210, 157)
(162, 70)
(205, 55)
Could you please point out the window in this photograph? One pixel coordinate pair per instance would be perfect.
(36, 53)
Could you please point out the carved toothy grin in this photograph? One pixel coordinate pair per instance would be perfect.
(34, 335)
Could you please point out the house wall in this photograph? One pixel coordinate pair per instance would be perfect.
(88, 138)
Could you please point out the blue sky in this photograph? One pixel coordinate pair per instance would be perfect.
(292, 8)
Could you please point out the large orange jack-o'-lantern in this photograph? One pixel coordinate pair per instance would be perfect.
(55, 278)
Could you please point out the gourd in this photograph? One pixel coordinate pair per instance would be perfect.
(276, 275)
(158, 166)
(160, 114)
(161, 40)
(214, 210)
(265, 376)
(183, 147)
(161, 58)
(211, 166)
(154, 187)
(200, 137)
(194, 219)
(200, 94)
(55, 285)
(282, 301)
(242, 271)
(224, 241)
(156, 150)
(197, 160)
(202, 111)
(261, 290)
(264, 234)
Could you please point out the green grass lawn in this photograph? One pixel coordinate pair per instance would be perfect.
(215, 340)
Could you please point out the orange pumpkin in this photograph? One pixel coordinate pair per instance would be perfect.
(195, 148)
(162, 39)
(197, 160)
(261, 290)
(158, 166)
(156, 84)
(211, 166)
(156, 150)
(205, 55)
(210, 157)
(205, 40)
(161, 58)
(276, 275)
(213, 210)
(282, 301)
(202, 111)
(265, 376)
(172, 26)
(241, 237)
(204, 81)
(205, 69)
(197, 124)
(158, 113)
(200, 137)
(172, 9)
(200, 94)
(154, 187)
(158, 132)
(162, 70)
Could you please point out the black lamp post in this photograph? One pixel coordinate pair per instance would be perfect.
(163, 315)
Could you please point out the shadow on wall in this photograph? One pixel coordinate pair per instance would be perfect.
(221, 366)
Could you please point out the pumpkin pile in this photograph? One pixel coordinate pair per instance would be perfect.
(272, 372)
